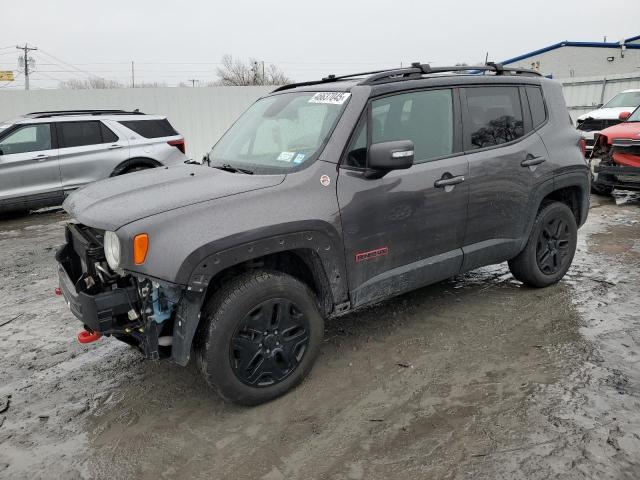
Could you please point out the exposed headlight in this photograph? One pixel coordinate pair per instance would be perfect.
(112, 249)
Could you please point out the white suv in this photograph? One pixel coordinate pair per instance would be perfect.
(607, 115)
(46, 155)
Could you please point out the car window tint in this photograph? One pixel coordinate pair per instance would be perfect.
(495, 116)
(78, 134)
(30, 138)
(107, 135)
(150, 128)
(536, 104)
(425, 118)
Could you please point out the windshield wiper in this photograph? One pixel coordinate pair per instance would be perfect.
(228, 168)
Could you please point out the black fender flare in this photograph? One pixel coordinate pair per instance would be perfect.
(205, 262)
(132, 162)
(578, 178)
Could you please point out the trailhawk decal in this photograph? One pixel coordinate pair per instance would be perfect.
(379, 252)
(333, 98)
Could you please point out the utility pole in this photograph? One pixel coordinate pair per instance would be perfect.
(26, 49)
(133, 76)
(193, 81)
(255, 73)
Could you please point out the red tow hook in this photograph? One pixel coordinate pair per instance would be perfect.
(58, 291)
(88, 337)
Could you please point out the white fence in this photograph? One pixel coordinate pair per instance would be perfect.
(587, 93)
(201, 114)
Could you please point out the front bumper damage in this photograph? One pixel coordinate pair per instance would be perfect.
(620, 167)
(158, 318)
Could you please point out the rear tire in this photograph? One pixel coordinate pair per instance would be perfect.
(550, 248)
(260, 335)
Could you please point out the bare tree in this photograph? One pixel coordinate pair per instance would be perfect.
(98, 83)
(91, 83)
(235, 72)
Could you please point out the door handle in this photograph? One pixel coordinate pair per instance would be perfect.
(448, 182)
(531, 161)
(113, 147)
(41, 158)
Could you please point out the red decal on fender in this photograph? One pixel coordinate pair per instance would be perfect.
(378, 252)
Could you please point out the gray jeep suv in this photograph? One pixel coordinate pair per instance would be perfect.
(324, 197)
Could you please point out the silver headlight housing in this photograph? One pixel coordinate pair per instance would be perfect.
(112, 251)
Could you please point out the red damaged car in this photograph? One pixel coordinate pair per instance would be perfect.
(615, 160)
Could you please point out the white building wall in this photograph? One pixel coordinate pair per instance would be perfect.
(567, 62)
(201, 114)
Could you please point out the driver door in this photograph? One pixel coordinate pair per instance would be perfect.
(29, 170)
(404, 229)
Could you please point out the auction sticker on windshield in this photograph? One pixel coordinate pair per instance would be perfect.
(333, 98)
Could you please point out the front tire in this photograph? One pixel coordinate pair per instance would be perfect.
(260, 336)
(550, 248)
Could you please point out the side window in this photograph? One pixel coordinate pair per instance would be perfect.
(425, 118)
(30, 138)
(78, 134)
(495, 116)
(107, 135)
(536, 104)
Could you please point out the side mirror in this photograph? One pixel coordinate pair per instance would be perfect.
(396, 155)
(624, 115)
(206, 160)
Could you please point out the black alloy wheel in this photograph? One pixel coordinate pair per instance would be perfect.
(269, 343)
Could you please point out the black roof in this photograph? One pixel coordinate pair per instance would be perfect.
(416, 71)
(60, 113)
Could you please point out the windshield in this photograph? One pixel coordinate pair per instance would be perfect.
(280, 133)
(635, 116)
(628, 99)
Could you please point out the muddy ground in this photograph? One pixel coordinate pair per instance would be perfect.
(477, 377)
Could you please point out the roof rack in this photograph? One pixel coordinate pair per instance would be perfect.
(417, 70)
(59, 113)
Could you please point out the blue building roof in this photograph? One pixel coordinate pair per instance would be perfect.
(567, 43)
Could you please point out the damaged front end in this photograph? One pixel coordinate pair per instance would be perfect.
(615, 163)
(157, 317)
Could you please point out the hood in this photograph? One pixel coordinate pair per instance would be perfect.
(606, 113)
(629, 130)
(112, 203)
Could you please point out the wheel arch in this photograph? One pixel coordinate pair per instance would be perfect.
(313, 256)
(122, 167)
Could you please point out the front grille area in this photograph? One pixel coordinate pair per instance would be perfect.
(597, 124)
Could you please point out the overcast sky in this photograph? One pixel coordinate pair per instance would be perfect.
(179, 40)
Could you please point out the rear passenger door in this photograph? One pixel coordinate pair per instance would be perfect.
(89, 151)
(404, 229)
(507, 159)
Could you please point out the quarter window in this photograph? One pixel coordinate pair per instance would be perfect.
(536, 104)
(425, 118)
(151, 128)
(30, 138)
(107, 135)
(495, 116)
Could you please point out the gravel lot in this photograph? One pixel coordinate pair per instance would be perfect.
(477, 377)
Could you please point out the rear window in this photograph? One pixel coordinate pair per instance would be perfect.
(151, 128)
